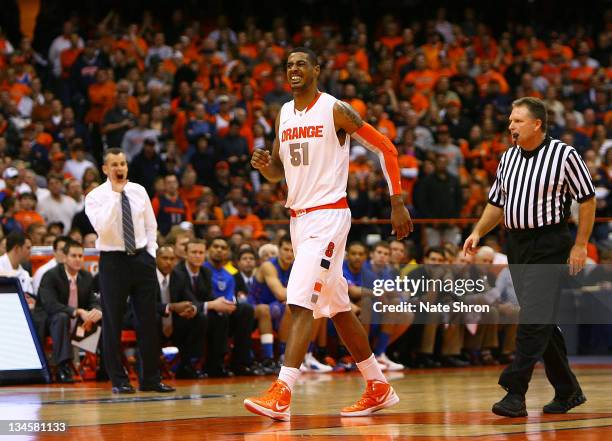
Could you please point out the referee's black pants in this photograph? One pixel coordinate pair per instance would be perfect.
(538, 267)
(123, 275)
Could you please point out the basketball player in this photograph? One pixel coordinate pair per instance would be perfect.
(311, 151)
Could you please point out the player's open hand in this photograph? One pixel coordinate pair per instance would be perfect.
(401, 222)
(260, 159)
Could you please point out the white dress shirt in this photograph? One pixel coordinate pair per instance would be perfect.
(103, 208)
(40, 272)
(23, 276)
(164, 290)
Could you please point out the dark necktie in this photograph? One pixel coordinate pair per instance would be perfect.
(128, 225)
(194, 285)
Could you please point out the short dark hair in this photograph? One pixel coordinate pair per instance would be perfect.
(33, 227)
(536, 107)
(59, 239)
(56, 176)
(14, 239)
(382, 243)
(312, 57)
(71, 243)
(284, 239)
(8, 203)
(212, 240)
(246, 251)
(357, 243)
(195, 241)
(112, 151)
(401, 242)
(441, 251)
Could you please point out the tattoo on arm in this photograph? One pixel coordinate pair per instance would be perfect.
(350, 115)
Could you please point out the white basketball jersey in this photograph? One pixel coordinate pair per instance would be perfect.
(316, 164)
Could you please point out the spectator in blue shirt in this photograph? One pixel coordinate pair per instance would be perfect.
(199, 125)
(223, 283)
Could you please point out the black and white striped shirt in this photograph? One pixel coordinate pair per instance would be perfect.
(535, 187)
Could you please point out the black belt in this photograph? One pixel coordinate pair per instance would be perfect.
(561, 226)
(134, 253)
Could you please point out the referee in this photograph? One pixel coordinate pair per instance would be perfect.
(121, 213)
(536, 180)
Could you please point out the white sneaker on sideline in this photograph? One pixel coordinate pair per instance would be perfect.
(390, 365)
(314, 365)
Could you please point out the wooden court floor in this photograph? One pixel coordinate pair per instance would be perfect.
(441, 404)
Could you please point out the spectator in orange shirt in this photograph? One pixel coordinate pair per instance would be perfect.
(134, 45)
(245, 47)
(350, 96)
(190, 192)
(489, 74)
(418, 101)
(485, 47)
(15, 89)
(101, 97)
(27, 214)
(383, 123)
(249, 224)
(68, 56)
(431, 50)
(583, 66)
(408, 163)
(391, 37)
(123, 86)
(423, 78)
(588, 128)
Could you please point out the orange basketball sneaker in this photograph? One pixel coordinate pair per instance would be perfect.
(274, 403)
(377, 396)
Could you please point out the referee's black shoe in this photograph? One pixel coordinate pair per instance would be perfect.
(156, 387)
(124, 389)
(512, 405)
(563, 405)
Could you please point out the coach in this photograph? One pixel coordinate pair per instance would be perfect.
(536, 180)
(121, 213)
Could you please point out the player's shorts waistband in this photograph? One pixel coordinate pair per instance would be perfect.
(339, 204)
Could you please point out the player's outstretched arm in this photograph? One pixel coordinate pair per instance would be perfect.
(347, 119)
(270, 166)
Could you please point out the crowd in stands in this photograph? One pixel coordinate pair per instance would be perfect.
(189, 102)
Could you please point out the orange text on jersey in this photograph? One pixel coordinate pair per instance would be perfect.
(302, 132)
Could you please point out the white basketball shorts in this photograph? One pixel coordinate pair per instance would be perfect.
(316, 281)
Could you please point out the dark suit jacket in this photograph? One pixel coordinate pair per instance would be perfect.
(241, 286)
(180, 285)
(54, 291)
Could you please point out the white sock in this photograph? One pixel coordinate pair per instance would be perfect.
(370, 369)
(289, 375)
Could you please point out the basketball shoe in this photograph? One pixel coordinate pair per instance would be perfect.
(274, 403)
(377, 396)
